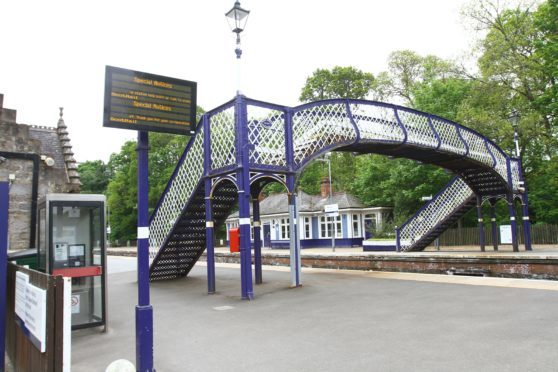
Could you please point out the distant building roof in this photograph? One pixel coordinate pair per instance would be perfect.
(278, 203)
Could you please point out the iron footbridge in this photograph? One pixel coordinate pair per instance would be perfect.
(243, 145)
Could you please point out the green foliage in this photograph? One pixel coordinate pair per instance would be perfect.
(400, 183)
(442, 97)
(543, 191)
(94, 177)
(340, 82)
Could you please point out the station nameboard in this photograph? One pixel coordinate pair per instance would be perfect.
(141, 101)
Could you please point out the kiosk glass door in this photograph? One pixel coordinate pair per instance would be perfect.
(77, 243)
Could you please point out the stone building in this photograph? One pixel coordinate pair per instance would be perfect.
(35, 160)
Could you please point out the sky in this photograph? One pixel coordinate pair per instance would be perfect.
(54, 52)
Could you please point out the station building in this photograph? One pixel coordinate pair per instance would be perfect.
(354, 223)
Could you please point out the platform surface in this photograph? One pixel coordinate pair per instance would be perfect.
(337, 321)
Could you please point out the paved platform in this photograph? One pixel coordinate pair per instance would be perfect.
(337, 321)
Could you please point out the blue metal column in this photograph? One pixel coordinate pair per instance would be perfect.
(397, 240)
(293, 213)
(4, 204)
(257, 240)
(480, 223)
(209, 223)
(513, 222)
(144, 310)
(526, 222)
(510, 200)
(293, 232)
(243, 181)
(494, 226)
(525, 210)
(209, 238)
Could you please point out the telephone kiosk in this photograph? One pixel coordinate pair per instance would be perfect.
(71, 233)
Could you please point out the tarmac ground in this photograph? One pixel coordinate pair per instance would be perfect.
(337, 321)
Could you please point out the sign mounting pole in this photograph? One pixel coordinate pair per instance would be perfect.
(144, 310)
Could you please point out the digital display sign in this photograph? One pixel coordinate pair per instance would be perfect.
(141, 101)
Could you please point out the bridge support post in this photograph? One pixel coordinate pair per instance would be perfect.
(494, 226)
(209, 238)
(209, 223)
(243, 182)
(480, 223)
(257, 240)
(526, 222)
(525, 210)
(293, 233)
(513, 222)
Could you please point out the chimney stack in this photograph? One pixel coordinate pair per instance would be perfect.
(324, 187)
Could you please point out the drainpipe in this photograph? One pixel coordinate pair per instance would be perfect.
(34, 188)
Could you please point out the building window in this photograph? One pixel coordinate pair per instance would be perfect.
(284, 228)
(370, 222)
(307, 227)
(356, 226)
(338, 227)
(325, 227)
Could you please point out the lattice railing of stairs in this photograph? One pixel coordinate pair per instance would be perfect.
(445, 208)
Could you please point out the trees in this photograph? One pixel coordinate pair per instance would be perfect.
(339, 82)
(94, 177)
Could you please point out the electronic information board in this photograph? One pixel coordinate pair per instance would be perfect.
(141, 101)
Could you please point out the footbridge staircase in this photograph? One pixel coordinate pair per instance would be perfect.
(244, 144)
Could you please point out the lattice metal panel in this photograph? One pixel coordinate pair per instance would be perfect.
(180, 190)
(418, 129)
(514, 164)
(266, 132)
(437, 210)
(320, 126)
(501, 165)
(450, 140)
(477, 149)
(223, 137)
(376, 123)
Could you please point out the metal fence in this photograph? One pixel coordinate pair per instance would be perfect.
(24, 356)
(540, 234)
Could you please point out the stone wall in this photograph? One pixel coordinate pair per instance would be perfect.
(31, 140)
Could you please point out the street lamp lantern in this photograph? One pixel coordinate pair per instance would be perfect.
(514, 120)
(237, 18)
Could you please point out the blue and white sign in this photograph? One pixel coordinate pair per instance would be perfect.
(331, 210)
(30, 308)
(22, 280)
(35, 314)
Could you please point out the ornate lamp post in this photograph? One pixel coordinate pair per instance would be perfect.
(237, 18)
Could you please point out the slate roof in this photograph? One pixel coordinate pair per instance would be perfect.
(48, 137)
(278, 203)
